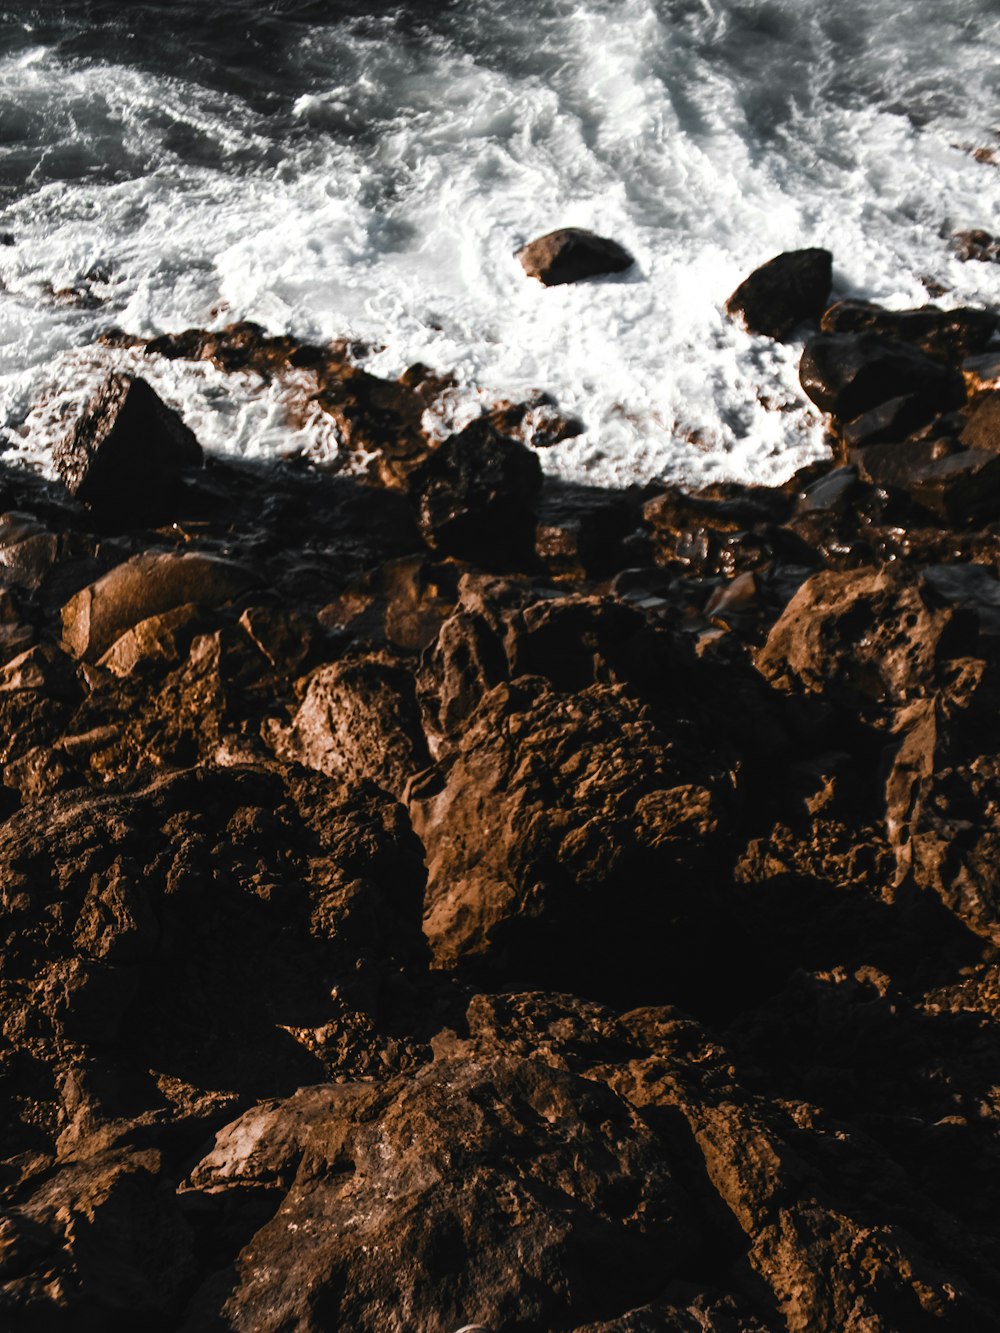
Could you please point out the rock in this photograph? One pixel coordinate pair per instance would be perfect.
(571, 255)
(147, 585)
(951, 335)
(578, 867)
(476, 497)
(981, 373)
(783, 293)
(861, 635)
(163, 638)
(847, 374)
(125, 456)
(359, 721)
(888, 423)
(531, 1197)
(982, 430)
(976, 244)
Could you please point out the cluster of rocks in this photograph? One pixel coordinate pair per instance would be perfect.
(445, 897)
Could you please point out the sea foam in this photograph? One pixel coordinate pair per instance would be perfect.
(382, 192)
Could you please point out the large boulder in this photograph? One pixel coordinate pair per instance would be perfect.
(493, 1189)
(572, 254)
(476, 497)
(566, 840)
(847, 374)
(782, 293)
(125, 456)
(148, 585)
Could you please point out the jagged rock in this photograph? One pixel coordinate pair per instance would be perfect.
(498, 1188)
(571, 255)
(476, 497)
(951, 335)
(125, 456)
(147, 585)
(847, 374)
(163, 638)
(359, 720)
(866, 635)
(781, 294)
(578, 866)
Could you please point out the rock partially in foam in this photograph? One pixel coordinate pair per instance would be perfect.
(784, 292)
(572, 254)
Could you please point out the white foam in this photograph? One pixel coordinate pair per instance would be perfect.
(704, 136)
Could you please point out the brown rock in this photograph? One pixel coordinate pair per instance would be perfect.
(951, 335)
(359, 721)
(847, 374)
(495, 1189)
(571, 255)
(147, 585)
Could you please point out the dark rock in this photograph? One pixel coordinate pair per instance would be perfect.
(523, 873)
(887, 423)
(847, 374)
(476, 496)
(784, 292)
(571, 255)
(950, 335)
(126, 454)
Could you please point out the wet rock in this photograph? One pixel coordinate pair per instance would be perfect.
(976, 244)
(483, 1151)
(847, 374)
(359, 720)
(951, 335)
(476, 496)
(147, 585)
(888, 423)
(981, 373)
(571, 255)
(784, 292)
(125, 456)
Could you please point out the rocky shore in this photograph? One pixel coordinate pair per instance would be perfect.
(436, 895)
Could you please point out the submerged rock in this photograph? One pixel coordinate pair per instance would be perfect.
(571, 255)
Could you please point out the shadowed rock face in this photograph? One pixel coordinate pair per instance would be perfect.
(344, 824)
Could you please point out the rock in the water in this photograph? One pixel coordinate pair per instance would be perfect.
(572, 254)
(147, 585)
(847, 374)
(124, 457)
(948, 334)
(476, 497)
(784, 292)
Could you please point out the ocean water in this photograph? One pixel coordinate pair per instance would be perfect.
(368, 171)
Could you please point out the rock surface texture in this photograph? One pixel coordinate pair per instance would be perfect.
(571, 255)
(447, 898)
